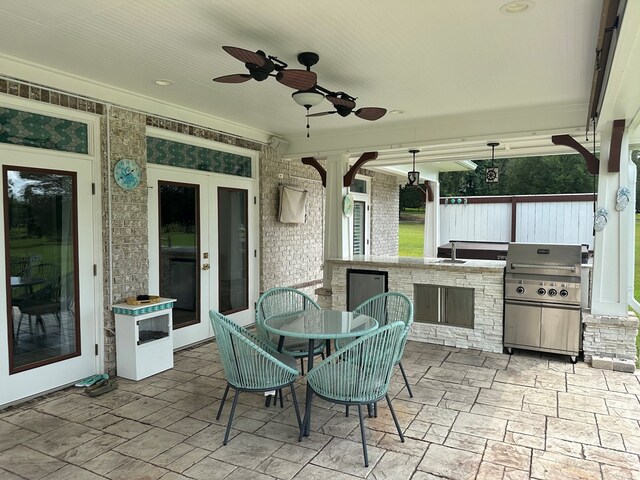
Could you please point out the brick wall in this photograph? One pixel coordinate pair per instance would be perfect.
(291, 254)
(385, 204)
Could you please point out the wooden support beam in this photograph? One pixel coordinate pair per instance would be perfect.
(428, 190)
(315, 164)
(593, 164)
(351, 174)
(616, 144)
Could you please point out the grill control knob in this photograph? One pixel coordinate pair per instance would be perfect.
(541, 291)
(520, 290)
(563, 293)
(553, 292)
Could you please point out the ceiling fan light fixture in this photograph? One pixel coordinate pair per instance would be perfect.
(307, 98)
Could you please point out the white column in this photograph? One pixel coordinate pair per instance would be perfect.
(432, 222)
(336, 225)
(613, 252)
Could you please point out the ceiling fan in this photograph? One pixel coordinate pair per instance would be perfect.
(261, 66)
(308, 93)
(345, 104)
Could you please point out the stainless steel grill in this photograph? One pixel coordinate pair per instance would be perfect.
(542, 293)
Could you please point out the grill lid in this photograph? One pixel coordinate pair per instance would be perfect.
(544, 259)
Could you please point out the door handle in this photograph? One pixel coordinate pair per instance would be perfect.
(205, 266)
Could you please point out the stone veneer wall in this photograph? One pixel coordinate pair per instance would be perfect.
(291, 253)
(607, 336)
(488, 301)
(385, 205)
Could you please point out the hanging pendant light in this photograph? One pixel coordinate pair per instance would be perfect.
(492, 172)
(413, 176)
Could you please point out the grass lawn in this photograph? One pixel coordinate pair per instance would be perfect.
(411, 239)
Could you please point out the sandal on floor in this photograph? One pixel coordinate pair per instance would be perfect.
(101, 387)
(92, 380)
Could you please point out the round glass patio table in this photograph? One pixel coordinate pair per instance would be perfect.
(318, 325)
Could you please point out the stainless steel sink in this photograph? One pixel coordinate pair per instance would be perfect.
(448, 260)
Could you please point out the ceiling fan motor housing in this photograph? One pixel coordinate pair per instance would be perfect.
(258, 72)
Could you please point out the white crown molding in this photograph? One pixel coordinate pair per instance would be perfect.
(29, 72)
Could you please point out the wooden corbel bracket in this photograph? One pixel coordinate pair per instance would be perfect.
(351, 174)
(428, 190)
(616, 144)
(593, 164)
(315, 164)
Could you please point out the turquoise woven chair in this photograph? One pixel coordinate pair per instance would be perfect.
(387, 308)
(359, 374)
(280, 301)
(250, 365)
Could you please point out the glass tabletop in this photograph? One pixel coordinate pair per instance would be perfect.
(321, 324)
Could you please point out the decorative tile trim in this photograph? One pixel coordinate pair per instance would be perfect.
(142, 310)
(176, 154)
(43, 94)
(29, 129)
(202, 132)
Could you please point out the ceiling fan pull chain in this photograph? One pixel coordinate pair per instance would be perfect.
(307, 122)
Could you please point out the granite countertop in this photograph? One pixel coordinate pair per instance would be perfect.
(418, 262)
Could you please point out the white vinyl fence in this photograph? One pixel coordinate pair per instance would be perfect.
(521, 218)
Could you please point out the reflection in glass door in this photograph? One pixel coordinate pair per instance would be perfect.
(233, 253)
(41, 254)
(180, 250)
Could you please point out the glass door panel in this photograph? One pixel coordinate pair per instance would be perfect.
(179, 214)
(233, 252)
(40, 218)
(359, 228)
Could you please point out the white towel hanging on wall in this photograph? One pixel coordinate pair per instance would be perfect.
(292, 205)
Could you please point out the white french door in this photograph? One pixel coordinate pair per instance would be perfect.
(48, 327)
(203, 231)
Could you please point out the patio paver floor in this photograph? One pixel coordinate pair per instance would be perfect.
(474, 415)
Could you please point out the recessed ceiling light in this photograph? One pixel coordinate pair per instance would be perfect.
(517, 6)
(396, 112)
(163, 82)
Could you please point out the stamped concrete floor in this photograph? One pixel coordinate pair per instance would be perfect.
(473, 415)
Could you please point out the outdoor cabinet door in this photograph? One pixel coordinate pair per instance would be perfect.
(522, 325)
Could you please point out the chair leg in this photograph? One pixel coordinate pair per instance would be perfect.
(346, 410)
(364, 439)
(328, 347)
(375, 410)
(296, 407)
(224, 399)
(406, 381)
(395, 419)
(370, 410)
(302, 366)
(279, 392)
(233, 410)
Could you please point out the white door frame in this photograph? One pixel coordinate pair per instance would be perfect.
(366, 198)
(209, 181)
(19, 155)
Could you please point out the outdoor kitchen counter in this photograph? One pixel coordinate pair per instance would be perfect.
(370, 261)
(408, 275)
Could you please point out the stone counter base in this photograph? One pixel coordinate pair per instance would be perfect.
(608, 341)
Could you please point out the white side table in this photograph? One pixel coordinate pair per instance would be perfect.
(144, 338)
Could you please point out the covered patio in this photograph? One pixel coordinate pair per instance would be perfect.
(474, 415)
(147, 178)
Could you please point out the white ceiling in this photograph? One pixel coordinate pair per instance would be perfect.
(432, 59)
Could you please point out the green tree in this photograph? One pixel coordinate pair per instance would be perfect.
(521, 176)
(411, 197)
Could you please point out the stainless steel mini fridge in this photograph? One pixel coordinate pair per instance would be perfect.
(364, 284)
